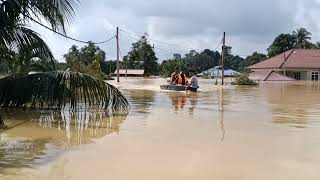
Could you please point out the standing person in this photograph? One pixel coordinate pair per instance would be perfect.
(194, 83)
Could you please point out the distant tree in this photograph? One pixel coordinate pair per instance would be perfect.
(255, 58)
(88, 59)
(108, 67)
(61, 66)
(282, 43)
(167, 67)
(301, 38)
(252, 59)
(142, 56)
(177, 56)
(193, 60)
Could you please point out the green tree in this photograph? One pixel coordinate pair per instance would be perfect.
(109, 67)
(252, 59)
(177, 56)
(193, 60)
(50, 89)
(167, 67)
(16, 15)
(301, 38)
(88, 59)
(282, 43)
(142, 56)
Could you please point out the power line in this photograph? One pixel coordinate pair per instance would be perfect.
(218, 45)
(103, 42)
(68, 37)
(167, 43)
(133, 35)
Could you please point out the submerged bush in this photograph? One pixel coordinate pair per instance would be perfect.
(244, 80)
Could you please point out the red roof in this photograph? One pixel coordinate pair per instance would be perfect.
(268, 76)
(299, 58)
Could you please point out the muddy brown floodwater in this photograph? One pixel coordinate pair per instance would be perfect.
(231, 133)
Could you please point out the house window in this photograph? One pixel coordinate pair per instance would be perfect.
(315, 76)
(297, 76)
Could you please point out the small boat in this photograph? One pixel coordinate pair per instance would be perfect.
(175, 88)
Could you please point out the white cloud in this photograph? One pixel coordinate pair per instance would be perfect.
(250, 25)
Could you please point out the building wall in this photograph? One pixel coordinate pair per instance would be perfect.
(304, 75)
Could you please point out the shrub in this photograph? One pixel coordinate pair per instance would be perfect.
(244, 80)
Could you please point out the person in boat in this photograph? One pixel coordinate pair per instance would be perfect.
(175, 76)
(194, 83)
(182, 79)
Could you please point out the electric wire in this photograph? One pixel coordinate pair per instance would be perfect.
(68, 37)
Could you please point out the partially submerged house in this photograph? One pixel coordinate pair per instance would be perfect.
(129, 72)
(269, 76)
(217, 72)
(294, 64)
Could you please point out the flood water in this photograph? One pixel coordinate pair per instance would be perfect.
(230, 133)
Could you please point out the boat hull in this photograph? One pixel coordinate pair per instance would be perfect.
(175, 88)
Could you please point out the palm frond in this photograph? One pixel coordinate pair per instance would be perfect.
(57, 90)
(55, 12)
(25, 38)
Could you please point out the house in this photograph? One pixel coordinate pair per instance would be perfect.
(130, 72)
(298, 64)
(269, 76)
(217, 72)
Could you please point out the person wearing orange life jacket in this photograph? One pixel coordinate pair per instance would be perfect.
(182, 79)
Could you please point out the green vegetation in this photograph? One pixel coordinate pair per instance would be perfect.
(244, 80)
(142, 56)
(207, 59)
(301, 38)
(23, 50)
(90, 60)
(55, 90)
(193, 60)
(21, 47)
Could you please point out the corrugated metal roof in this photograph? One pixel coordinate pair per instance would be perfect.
(131, 71)
(216, 71)
(300, 58)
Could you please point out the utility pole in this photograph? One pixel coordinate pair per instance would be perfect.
(126, 70)
(110, 64)
(284, 64)
(222, 56)
(117, 37)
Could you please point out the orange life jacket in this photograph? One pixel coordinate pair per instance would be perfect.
(182, 80)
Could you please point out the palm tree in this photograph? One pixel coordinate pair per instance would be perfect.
(15, 16)
(48, 90)
(302, 38)
(58, 90)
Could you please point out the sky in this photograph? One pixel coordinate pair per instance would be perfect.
(250, 25)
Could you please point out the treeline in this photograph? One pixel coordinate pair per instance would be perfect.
(201, 61)
(92, 60)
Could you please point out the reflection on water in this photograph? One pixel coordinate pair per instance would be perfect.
(293, 104)
(229, 133)
(142, 100)
(180, 100)
(221, 113)
(34, 137)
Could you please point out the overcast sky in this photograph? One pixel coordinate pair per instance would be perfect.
(250, 25)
